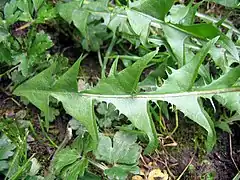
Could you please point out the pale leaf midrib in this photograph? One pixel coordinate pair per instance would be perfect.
(147, 96)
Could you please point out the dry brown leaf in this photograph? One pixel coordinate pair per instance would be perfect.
(81, 85)
(157, 173)
(137, 177)
(142, 172)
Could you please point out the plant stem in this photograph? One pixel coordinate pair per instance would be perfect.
(22, 169)
(133, 58)
(162, 127)
(25, 26)
(68, 137)
(237, 177)
(33, 130)
(45, 134)
(105, 60)
(98, 165)
(118, 3)
(12, 163)
(8, 71)
(177, 121)
(138, 132)
(100, 58)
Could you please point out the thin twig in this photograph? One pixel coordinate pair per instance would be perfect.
(15, 101)
(174, 143)
(8, 71)
(176, 123)
(169, 171)
(5, 92)
(231, 152)
(167, 167)
(144, 162)
(24, 26)
(185, 169)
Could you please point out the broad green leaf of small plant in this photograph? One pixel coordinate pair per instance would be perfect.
(119, 23)
(223, 125)
(40, 44)
(6, 151)
(5, 55)
(141, 29)
(108, 114)
(230, 101)
(9, 12)
(122, 152)
(35, 167)
(75, 170)
(83, 143)
(84, 16)
(137, 111)
(176, 39)
(121, 172)
(177, 14)
(68, 163)
(3, 165)
(24, 11)
(65, 10)
(155, 8)
(37, 4)
(90, 176)
(80, 19)
(78, 127)
(45, 13)
(3, 34)
(95, 36)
